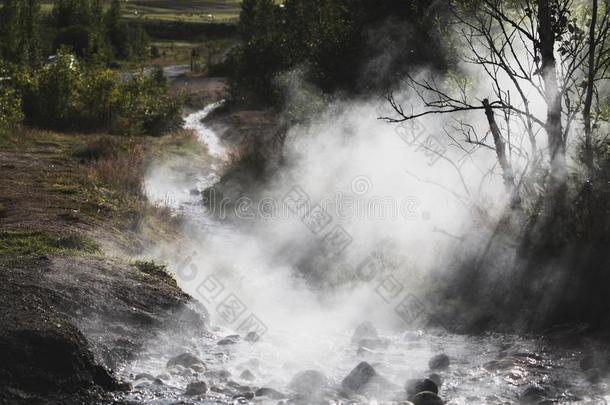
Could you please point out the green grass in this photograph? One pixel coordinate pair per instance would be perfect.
(43, 243)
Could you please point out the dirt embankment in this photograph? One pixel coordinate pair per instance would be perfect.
(74, 306)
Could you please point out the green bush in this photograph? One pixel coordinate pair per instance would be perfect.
(66, 95)
(10, 109)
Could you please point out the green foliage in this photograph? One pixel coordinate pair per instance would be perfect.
(39, 243)
(68, 95)
(146, 107)
(20, 31)
(329, 37)
(11, 113)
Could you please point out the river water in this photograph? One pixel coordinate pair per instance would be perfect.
(485, 369)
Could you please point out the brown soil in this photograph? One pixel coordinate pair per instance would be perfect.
(69, 313)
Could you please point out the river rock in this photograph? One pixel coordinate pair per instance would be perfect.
(246, 375)
(147, 376)
(252, 337)
(196, 388)
(533, 394)
(437, 379)
(439, 362)
(221, 375)
(185, 360)
(365, 330)
(269, 393)
(359, 377)
(374, 344)
(229, 340)
(308, 382)
(164, 376)
(427, 398)
(416, 386)
(244, 395)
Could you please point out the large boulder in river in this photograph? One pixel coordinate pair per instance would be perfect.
(308, 382)
(359, 377)
(46, 353)
(185, 360)
(364, 331)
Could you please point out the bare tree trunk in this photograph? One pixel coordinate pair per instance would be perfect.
(546, 47)
(507, 170)
(586, 112)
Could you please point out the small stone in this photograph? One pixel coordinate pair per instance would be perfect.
(246, 375)
(229, 340)
(164, 376)
(437, 379)
(533, 394)
(200, 368)
(359, 377)
(252, 337)
(146, 376)
(244, 395)
(158, 382)
(269, 393)
(308, 382)
(141, 385)
(439, 362)
(365, 330)
(184, 360)
(196, 388)
(416, 386)
(222, 375)
(427, 398)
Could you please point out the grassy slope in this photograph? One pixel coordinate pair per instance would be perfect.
(72, 209)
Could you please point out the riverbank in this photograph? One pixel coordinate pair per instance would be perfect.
(76, 304)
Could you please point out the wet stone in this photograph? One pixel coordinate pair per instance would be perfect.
(244, 395)
(229, 340)
(436, 378)
(426, 398)
(416, 386)
(184, 360)
(308, 382)
(222, 375)
(439, 362)
(196, 388)
(533, 394)
(146, 376)
(252, 337)
(364, 331)
(246, 375)
(269, 393)
(359, 377)
(164, 376)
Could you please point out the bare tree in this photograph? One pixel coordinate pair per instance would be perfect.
(515, 43)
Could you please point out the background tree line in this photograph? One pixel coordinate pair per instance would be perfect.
(81, 26)
(54, 71)
(333, 40)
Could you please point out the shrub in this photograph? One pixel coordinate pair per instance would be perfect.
(67, 96)
(146, 107)
(10, 109)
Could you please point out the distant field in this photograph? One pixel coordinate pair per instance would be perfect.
(176, 10)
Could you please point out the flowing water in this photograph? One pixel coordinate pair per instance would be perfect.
(485, 369)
